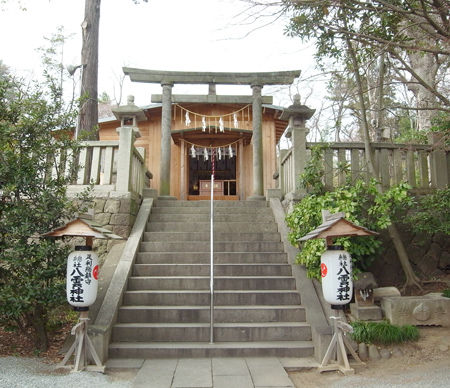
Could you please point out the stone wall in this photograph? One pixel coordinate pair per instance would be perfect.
(116, 212)
(429, 257)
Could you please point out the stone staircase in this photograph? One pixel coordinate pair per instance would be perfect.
(165, 311)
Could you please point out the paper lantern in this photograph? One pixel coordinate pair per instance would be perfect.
(336, 272)
(82, 277)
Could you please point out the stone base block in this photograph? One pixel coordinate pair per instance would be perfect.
(366, 313)
(167, 198)
(273, 193)
(150, 193)
(431, 309)
(256, 198)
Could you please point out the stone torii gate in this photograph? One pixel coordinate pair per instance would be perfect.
(256, 81)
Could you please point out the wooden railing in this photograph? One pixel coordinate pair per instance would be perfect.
(422, 166)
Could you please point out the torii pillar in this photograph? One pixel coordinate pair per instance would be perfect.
(258, 171)
(166, 139)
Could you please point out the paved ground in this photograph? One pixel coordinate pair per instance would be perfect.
(212, 373)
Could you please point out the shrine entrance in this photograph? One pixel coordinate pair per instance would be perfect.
(200, 166)
(198, 147)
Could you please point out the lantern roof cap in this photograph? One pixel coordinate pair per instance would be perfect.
(82, 228)
(130, 109)
(298, 110)
(335, 225)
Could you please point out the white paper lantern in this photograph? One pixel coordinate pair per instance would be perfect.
(82, 277)
(336, 272)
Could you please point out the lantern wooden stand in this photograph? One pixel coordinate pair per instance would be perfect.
(82, 347)
(335, 225)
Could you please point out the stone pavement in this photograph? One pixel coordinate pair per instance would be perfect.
(208, 372)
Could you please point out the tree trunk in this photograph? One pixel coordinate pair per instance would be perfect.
(426, 66)
(88, 117)
(411, 278)
(40, 331)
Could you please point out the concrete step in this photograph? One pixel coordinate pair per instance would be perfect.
(201, 314)
(204, 349)
(217, 210)
(202, 283)
(200, 332)
(204, 246)
(233, 204)
(204, 257)
(202, 297)
(221, 227)
(262, 269)
(201, 236)
(203, 217)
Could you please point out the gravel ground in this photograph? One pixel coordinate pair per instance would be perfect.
(377, 375)
(18, 372)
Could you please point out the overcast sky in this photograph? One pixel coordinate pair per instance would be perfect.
(185, 35)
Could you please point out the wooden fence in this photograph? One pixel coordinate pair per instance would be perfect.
(422, 166)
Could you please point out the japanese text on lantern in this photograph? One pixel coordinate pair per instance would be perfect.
(88, 269)
(76, 279)
(343, 278)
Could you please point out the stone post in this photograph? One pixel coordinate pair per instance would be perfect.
(258, 173)
(281, 183)
(129, 115)
(124, 159)
(297, 115)
(166, 138)
(438, 162)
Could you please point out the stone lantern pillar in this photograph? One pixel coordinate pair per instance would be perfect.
(296, 115)
(129, 115)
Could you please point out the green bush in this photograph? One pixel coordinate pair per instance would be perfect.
(446, 293)
(432, 215)
(383, 333)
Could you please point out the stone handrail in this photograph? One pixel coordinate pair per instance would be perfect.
(111, 166)
(96, 162)
(286, 171)
(100, 331)
(424, 167)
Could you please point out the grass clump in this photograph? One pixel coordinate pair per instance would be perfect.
(383, 333)
(446, 293)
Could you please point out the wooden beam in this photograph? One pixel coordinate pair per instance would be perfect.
(192, 77)
(210, 99)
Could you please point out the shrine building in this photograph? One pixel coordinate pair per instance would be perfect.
(182, 133)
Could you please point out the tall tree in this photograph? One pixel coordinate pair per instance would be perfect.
(88, 115)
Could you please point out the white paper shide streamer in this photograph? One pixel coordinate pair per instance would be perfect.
(235, 121)
(187, 120)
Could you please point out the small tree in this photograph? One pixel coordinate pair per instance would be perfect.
(33, 182)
